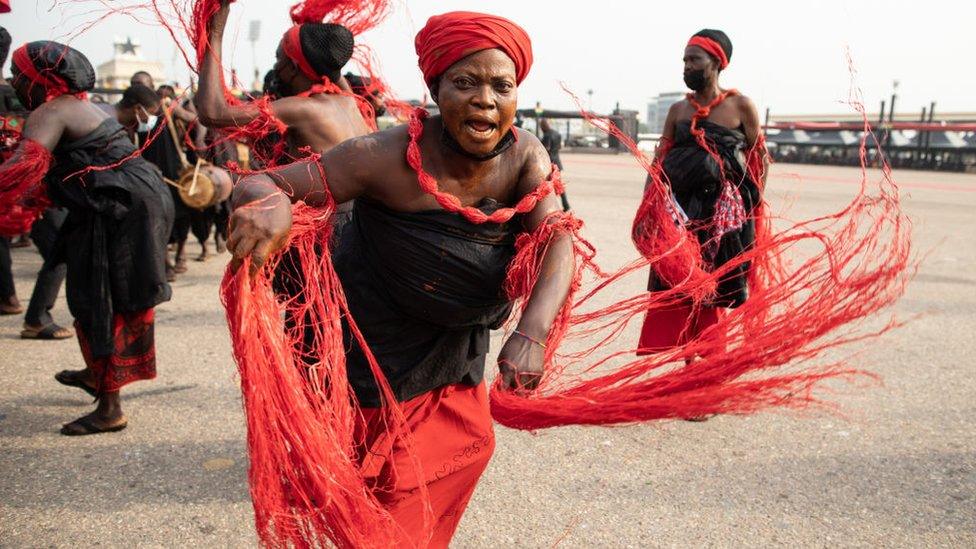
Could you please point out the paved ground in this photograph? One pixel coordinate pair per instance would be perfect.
(900, 471)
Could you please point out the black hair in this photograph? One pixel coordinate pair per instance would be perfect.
(719, 37)
(137, 94)
(5, 42)
(140, 73)
(327, 47)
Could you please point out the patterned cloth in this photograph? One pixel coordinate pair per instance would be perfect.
(134, 357)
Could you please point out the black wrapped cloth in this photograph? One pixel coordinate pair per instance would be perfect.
(425, 288)
(114, 239)
(696, 180)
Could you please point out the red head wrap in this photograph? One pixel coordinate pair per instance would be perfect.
(712, 47)
(448, 38)
(292, 44)
(54, 85)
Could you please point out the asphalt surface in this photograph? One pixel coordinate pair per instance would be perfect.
(898, 469)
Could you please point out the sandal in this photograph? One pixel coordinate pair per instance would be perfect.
(85, 426)
(50, 332)
(64, 378)
(11, 308)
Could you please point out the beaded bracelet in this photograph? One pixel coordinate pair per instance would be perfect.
(532, 339)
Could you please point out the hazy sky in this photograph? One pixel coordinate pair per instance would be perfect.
(789, 56)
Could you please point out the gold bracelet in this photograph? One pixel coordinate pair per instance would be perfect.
(530, 338)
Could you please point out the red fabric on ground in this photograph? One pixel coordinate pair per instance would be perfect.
(452, 431)
(665, 329)
(134, 358)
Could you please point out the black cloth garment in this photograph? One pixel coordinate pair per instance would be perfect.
(425, 288)
(553, 142)
(696, 181)
(7, 288)
(9, 102)
(114, 238)
(163, 153)
(44, 234)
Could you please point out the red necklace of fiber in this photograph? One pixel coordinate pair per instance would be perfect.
(54, 85)
(451, 203)
(702, 113)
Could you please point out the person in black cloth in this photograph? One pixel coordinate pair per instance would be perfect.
(425, 283)
(728, 122)
(552, 140)
(38, 322)
(166, 154)
(10, 127)
(309, 55)
(114, 238)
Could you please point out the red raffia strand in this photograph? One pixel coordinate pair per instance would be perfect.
(358, 16)
(23, 195)
(307, 485)
(306, 482)
(450, 202)
(791, 318)
(192, 17)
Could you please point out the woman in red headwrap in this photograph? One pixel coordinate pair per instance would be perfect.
(439, 204)
(308, 70)
(713, 157)
(114, 238)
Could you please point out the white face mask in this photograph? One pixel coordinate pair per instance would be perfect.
(149, 124)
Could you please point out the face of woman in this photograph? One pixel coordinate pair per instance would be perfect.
(29, 94)
(477, 97)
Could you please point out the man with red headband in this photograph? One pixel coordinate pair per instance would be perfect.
(707, 151)
(114, 238)
(422, 263)
(310, 60)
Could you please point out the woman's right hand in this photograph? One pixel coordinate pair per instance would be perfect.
(260, 222)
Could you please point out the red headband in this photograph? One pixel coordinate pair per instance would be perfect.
(450, 37)
(293, 49)
(54, 85)
(712, 47)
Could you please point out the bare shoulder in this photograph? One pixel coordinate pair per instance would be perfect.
(744, 103)
(534, 163)
(371, 154)
(678, 106)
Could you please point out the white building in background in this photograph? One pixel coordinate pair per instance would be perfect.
(657, 109)
(127, 61)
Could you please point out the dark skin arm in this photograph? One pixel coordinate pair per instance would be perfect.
(210, 102)
(520, 361)
(261, 203)
(262, 218)
(749, 116)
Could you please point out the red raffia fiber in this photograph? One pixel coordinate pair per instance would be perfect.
(792, 317)
(306, 482)
(314, 493)
(23, 195)
(191, 18)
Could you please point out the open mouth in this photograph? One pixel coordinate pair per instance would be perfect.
(480, 128)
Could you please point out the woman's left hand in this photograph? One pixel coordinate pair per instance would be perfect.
(521, 363)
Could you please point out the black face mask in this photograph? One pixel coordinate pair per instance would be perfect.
(695, 80)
